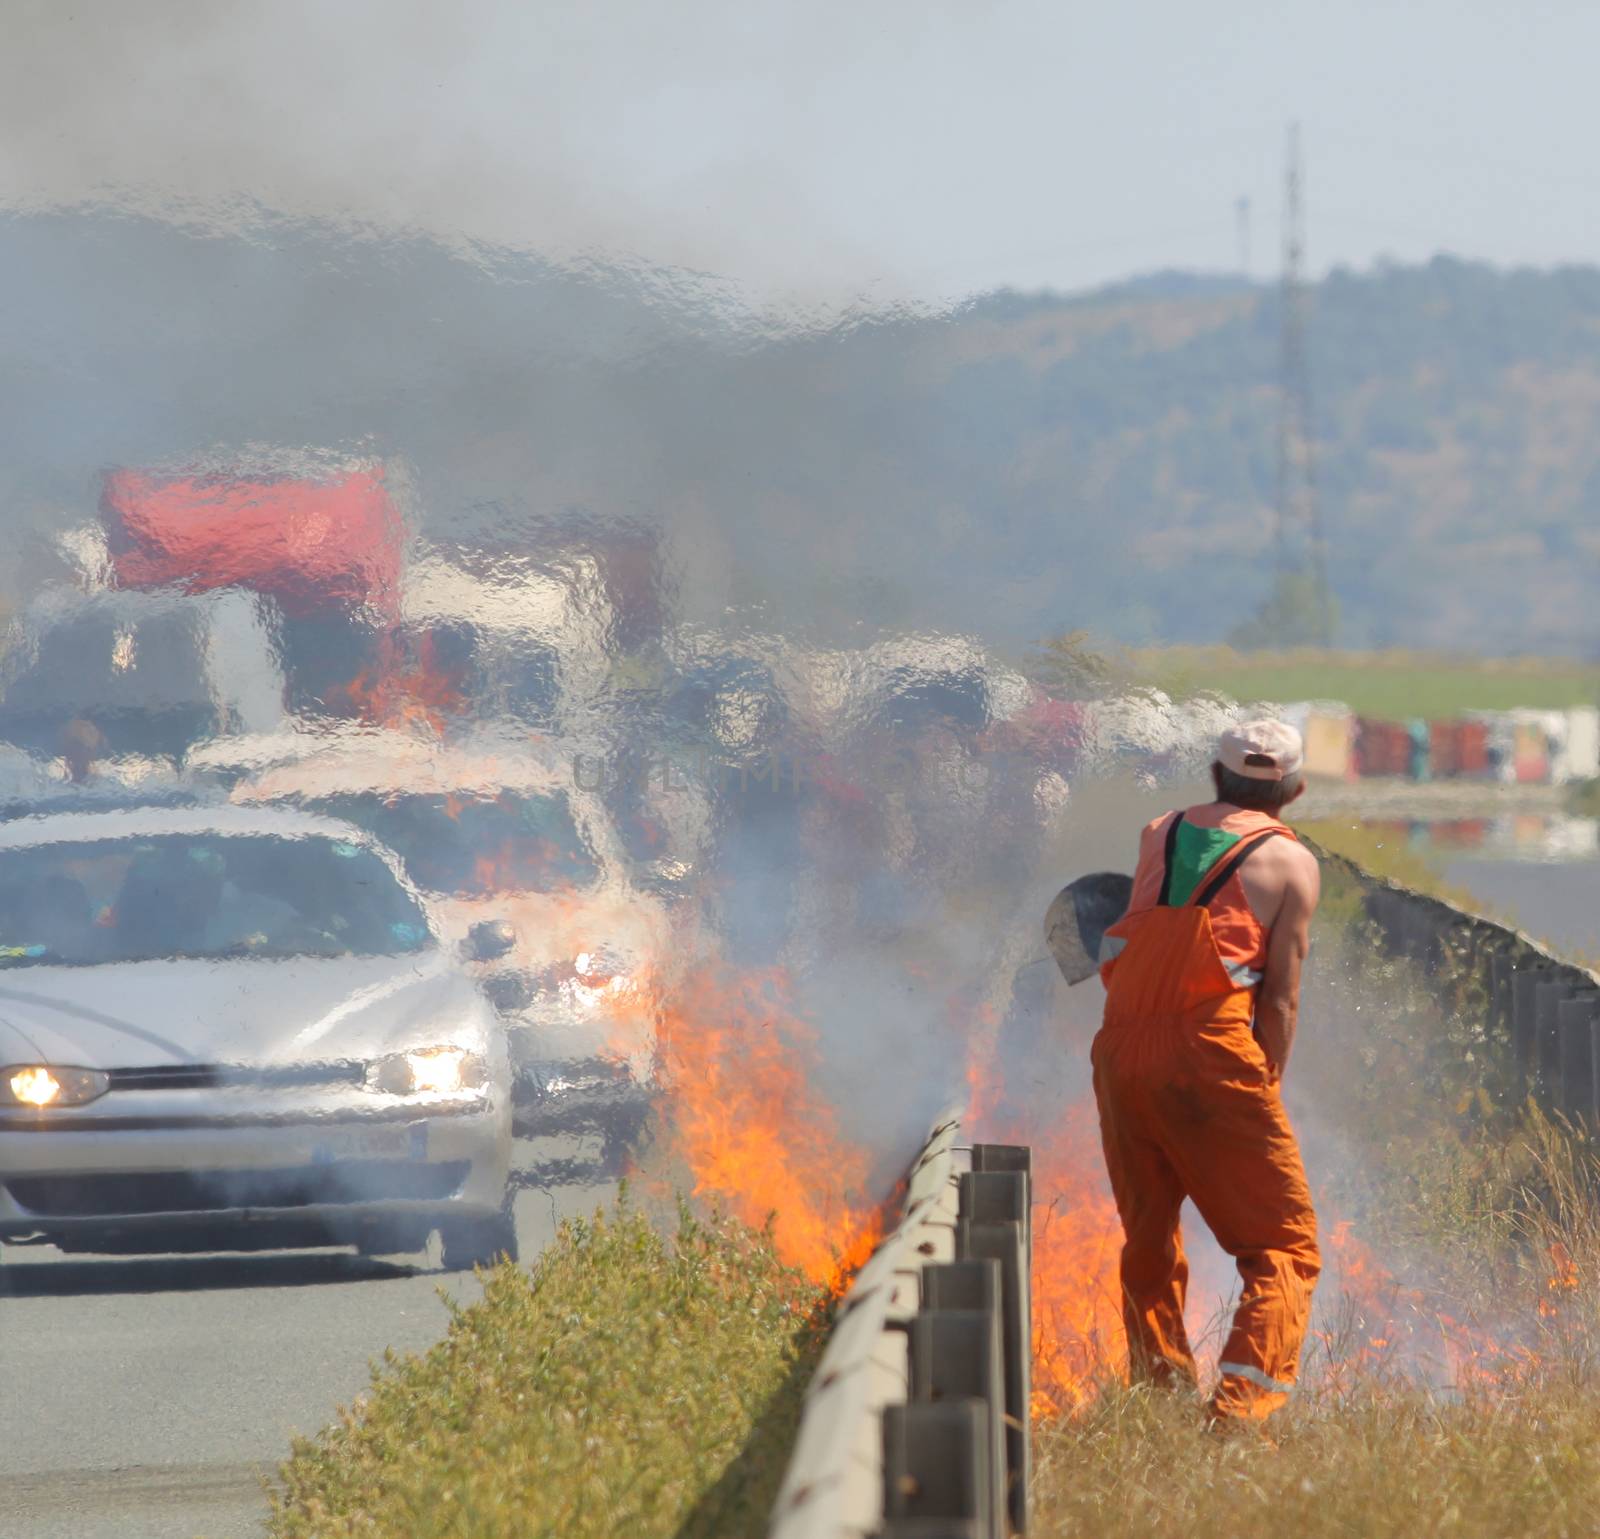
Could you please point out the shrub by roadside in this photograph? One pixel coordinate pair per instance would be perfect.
(629, 1384)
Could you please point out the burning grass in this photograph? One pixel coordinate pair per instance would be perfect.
(1484, 1421)
(636, 1385)
(741, 1115)
(630, 1384)
(1452, 1381)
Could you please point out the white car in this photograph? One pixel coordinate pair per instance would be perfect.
(238, 1029)
(497, 835)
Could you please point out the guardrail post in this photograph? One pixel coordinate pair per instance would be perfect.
(1429, 940)
(915, 1424)
(1524, 1032)
(994, 1224)
(1594, 1058)
(1500, 974)
(955, 1355)
(1410, 932)
(1548, 994)
(1380, 914)
(936, 1467)
(962, 1285)
(1575, 1024)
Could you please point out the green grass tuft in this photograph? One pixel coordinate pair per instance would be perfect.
(629, 1384)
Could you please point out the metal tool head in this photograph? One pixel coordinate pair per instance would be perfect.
(1079, 916)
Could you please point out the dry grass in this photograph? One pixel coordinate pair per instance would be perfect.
(1391, 1462)
(1456, 1390)
(1373, 1445)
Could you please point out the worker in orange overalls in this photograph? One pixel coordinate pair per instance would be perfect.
(1202, 980)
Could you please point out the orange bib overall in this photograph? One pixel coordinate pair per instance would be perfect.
(1187, 1109)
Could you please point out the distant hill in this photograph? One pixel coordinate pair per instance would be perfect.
(1112, 457)
(1025, 465)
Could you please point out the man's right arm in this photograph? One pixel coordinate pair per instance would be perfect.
(1278, 1002)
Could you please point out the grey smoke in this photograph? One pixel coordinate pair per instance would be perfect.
(652, 135)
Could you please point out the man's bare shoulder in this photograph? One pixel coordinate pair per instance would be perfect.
(1299, 866)
(1297, 854)
(1287, 855)
(1277, 868)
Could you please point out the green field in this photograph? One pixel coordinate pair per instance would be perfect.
(1392, 685)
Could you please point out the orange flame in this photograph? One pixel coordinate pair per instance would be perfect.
(1393, 1323)
(1561, 1281)
(1078, 1337)
(516, 864)
(742, 1115)
(1079, 1341)
(424, 696)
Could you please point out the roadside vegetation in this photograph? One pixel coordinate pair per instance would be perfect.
(630, 1383)
(1584, 799)
(1379, 1462)
(1382, 850)
(1502, 1438)
(1452, 1383)
(1394, 685)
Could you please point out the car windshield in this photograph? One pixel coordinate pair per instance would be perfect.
(470, 846)
(201, 895)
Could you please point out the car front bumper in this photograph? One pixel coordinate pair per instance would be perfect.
(580, 1095)
(232, 1170)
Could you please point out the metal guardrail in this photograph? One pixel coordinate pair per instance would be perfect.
(916, 1421)
(1539, 1015)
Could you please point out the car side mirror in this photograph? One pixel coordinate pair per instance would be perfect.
(488, 940)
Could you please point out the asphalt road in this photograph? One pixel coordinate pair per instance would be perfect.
(1554, 901)
(149, 1398)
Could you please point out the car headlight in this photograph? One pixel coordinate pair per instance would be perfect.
(599, 969)
(36, 1085)
(426, 1071)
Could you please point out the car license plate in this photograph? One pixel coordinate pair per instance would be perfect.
(336, 1145)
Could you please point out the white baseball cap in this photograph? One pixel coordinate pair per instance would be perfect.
(1261, 750)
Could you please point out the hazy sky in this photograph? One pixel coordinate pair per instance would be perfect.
(873, 149)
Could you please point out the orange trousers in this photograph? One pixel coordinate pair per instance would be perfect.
(1188, 1109)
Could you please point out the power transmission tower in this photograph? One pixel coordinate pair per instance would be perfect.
(1302, 556)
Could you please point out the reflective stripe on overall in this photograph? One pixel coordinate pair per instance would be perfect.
(1188, 1109)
